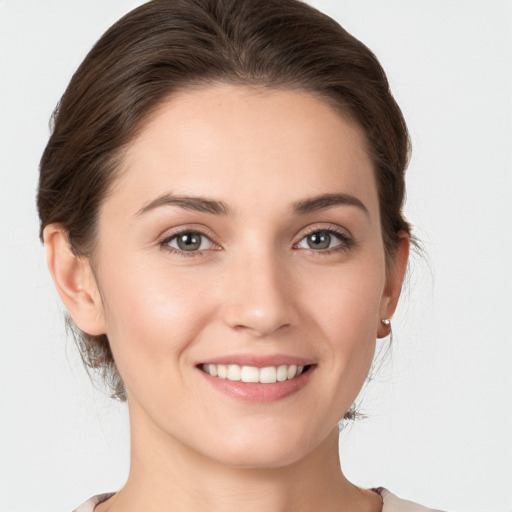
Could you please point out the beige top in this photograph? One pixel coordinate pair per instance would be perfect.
(391, 503)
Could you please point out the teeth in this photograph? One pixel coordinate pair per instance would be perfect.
(282, 373)
(222, 371)
(234, 372)
(267, 375)
(249, 374)
(292, 371)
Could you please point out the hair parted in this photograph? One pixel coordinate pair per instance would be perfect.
(165, 46)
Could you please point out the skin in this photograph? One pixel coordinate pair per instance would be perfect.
(255, 287)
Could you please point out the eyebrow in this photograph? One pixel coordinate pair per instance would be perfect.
(324, 201)
(198, 204)
(204, 205)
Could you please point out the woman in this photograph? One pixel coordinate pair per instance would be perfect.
(221, 205)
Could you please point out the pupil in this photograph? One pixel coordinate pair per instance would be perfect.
(189, 241)
(320, 240)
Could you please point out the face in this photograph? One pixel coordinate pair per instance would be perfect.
(243, 241)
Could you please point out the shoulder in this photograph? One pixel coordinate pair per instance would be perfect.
(89, 505)
(392, 503)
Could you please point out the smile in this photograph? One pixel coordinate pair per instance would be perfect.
(252, 374)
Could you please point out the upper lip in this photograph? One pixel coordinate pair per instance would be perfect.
(259, 361)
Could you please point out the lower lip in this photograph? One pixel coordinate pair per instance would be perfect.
(257, 392)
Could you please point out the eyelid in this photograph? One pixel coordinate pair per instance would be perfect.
(334, 228)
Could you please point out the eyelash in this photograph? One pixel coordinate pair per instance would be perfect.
(346, 242)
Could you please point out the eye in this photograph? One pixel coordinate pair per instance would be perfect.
(324, 239)
(188, 241)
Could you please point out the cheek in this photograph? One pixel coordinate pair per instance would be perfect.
(346, 300)
(345, 312)
(152, 316)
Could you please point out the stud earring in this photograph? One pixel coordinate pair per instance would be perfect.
(387, 323)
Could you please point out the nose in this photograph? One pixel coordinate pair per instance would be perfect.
(259, 295)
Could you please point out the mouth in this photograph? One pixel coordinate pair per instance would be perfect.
(254, 374)
(257, 378)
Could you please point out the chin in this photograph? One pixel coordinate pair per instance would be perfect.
(262, 458)
(266, 449)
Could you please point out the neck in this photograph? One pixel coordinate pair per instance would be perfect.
(167, 476)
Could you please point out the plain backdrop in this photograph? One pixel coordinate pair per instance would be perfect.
(439, 426)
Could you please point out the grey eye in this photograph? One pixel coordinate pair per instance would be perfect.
(190, 241)
(320, 240)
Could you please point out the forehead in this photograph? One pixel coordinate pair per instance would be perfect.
(248, 145)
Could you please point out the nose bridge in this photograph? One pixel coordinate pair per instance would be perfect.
(258, 294)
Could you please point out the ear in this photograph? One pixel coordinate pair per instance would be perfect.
(74, 280)
(394, 280)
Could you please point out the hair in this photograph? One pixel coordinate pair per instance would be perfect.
(166, 46)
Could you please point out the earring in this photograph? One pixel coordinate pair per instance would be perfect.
(387, 323)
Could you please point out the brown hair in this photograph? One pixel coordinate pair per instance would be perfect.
(170, 45)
